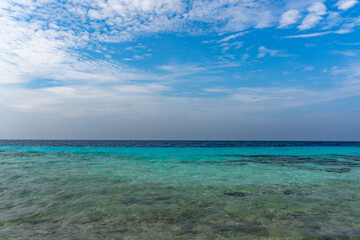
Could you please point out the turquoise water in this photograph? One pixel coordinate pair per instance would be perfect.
(291, 192)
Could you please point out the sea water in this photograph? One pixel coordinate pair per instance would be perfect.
(179, 190)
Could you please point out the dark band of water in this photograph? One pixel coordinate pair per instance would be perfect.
(174, 143)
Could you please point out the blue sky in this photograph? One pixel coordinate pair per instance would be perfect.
(173, 69)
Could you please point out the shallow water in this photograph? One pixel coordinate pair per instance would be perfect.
(173, 190)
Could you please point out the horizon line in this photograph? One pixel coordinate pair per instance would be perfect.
(203, 140)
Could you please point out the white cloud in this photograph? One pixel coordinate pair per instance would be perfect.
(318, 8)
(308, 68)
(316, 11)
(245, 56)
(142, 88)
(289, 17)
(348, 53)
(309, 35)
(346, 4)
(349, 26)
(232, 36)
(83, 101)
(177, 70)
(138, 57)
(310, 21)
(334, 19)
(349, 44)
(345, 30)
(226, 46)
(227, 15)
(285, 97)
(263, 51)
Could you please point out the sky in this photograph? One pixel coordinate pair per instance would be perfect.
(180, 69)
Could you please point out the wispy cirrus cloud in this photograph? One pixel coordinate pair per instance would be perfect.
(263, 52)
(349, 26)
(308, 35)
(285, 97)
(334, 19)
(348, 53)
(232, 36)
(226, 46)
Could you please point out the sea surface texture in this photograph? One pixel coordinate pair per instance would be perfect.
(179, 190)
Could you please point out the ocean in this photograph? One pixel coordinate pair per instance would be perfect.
(69, 189)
